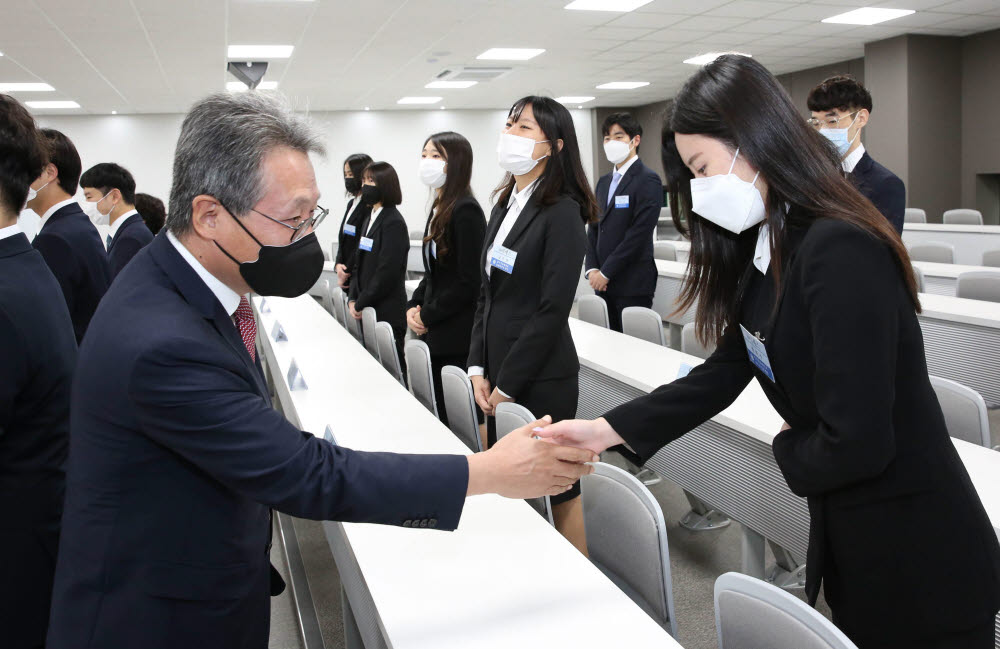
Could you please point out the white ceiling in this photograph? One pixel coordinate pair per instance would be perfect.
(158, 56)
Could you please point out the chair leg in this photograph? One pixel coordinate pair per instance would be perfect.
(702, 517)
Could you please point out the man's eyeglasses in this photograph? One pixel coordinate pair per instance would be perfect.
(828, 122)
(301, 226)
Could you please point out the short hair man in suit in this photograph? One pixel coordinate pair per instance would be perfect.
(37, 356)
(108, 186)
(841, 108)
(619, 264)
(68, 241)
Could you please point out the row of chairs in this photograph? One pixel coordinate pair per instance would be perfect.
(971, 285)
(944, 253)
(950, 217)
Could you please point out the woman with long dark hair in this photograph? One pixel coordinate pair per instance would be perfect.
(444, 303)
(355, 214)
(812, 293)
(522, 349)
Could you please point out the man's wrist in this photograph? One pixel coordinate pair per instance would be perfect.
(480, 474)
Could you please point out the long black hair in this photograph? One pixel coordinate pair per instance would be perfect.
(737, 101)
(457, 153)
(563, 175)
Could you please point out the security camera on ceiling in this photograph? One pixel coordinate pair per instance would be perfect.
(248, 72)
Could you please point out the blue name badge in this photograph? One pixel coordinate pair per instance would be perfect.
(350, 230)
(621, 201)
(503, 259)
(366, 244)
(757, 353)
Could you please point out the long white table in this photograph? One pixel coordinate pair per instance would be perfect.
(504, 579)
(970, 241)
(941, 279)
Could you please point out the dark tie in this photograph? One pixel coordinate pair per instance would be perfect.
(109, 240)
(247, 326)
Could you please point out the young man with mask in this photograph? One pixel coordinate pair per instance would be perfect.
(841, 108)
(178, 456)
(619, 265)
(110, 187)
(67, 239)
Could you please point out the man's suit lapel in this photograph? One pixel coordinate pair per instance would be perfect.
(623, 184)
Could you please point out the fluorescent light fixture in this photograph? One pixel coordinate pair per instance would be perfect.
(367, 108)
(442, 108)
(574, 100)
(868, 16)
(114, 112)
(239, 86)
(708, 57)
(622, 85)
(25, 87)
(509, 54)
(1, 53)
(419, 100)
(451, 85)
(620, 6)
(51, 104)
(252, 52)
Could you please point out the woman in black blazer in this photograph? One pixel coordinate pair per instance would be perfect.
(819, 305)
(521, 348)
(383, 244)
(444, 303)
(355, 215)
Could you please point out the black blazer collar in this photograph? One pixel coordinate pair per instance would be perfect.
(66, 211)
(379, 221)
(14, 245)
(864, 165)
(630, 173)
(129, 222)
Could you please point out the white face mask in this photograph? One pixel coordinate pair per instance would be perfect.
(95, 214)
(727, 200)
(432, 172)
(514, 153)
(840, 138)
(616, 150)
(33, 193)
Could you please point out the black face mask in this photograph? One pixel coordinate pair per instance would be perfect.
(352, 185)
(283, 271)
(370, 194)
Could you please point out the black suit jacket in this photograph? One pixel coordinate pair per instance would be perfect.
(379, 276)
(131, 236)
(883, 188)
(620, 244)
(347, 244)
(867, 446)
(72, 248)
(175, 460)
(449, 289)
(38, 352)
(521, 331)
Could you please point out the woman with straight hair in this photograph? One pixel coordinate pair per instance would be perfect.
(354, 216)
(522, 349)
(812, 293)
(444, 303)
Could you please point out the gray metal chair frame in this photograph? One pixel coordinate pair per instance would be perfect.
(510, 417)
(593, 309)
(954, 395)
(643, 323)
(460, 406)
(385, 341)
(420, 373)
(368, 321)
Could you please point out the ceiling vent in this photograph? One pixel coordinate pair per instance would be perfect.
(472, 73)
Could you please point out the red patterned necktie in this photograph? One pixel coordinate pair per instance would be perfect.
(247, 326)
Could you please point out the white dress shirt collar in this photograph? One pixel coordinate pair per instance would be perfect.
(522, 196)
(52, 210)
(371, 220)
(628, 163)
(10, 231)
(227, 297)
(853, 158)
(119, 222)
(762, 253)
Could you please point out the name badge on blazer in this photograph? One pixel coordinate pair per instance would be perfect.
(350, 230)
(366, 244)
(503, 259)
(621, 201)
(757, 353)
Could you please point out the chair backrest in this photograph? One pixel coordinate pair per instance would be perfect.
(593, 309)
(416, 235)
(664, 250)
(619, 512)
(753, 613)
(965, 412)
(420, 374)
(326, 294)
(387, 354)
(991, 258)
(918, 274)
(941, 253)
(339, 309)
(979, 285)
(353, 326)
(963, 217)
(640, 322)
(691, 345)
(914, 215)
(509, 417)
(368, 321)
(460, 406)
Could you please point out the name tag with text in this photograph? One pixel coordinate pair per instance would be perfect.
(366, 244)
(503, 259)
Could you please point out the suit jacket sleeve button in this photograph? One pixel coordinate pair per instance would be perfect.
(407, 523)
(432, 522)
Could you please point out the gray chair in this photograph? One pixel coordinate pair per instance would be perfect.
(368, 321)
(339, 310)
(752, 614)
(593, 309)
(979, 285)
(385, 341)
(326, 294)
(353, 326)
(914, 215)
(619, 512)
(420, 373)
(962, 217)
(919, 276)
(939, 253)
(416, 235)
(691, 345)
(460, 406)
(991, 258)
(965, 412)
(509, 417)
(664, 250)
(640, 322)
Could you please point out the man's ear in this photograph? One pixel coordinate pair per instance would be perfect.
(638, 139)
(205, 212)
(863, 116)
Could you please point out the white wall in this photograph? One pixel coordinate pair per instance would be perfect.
(144, 144)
